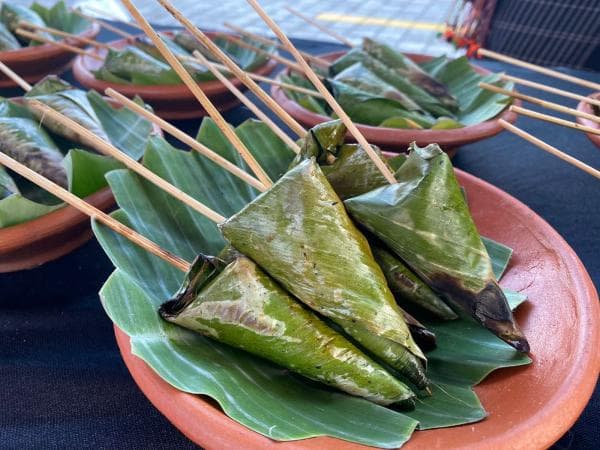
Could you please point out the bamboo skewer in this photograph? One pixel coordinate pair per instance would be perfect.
(14, 77)
(64, 34)
(200, 96)
(556, 120)
(109, 150)
(257, 37)
(387, 173)
(246, 101)
(552, 90)
(280, 59)
(324, 29)
(105, 25)
(233, 67)
(549, 148)
(93, 212)
(257, 77)
(538, 101)
(540, 69)
(60, 44)
(185, 138)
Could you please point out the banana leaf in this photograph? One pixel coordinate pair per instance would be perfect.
(7, 184)
(239, 305)
(84, 170)
(408, 287)
(421, 97)
(12, 14)
(309, 102)
(7, 40)
(347, 167)
(24, 140)
(301, 216)
(411, 71)
(425, 220)
(134, 66)
(71, 102)
(252, 391)
(358, 76)
(60, 17)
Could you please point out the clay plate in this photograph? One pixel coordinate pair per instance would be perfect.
(170, 101)
(529, 407)
(34, 63)
(397, 140)
(587, 108)
(35, 242)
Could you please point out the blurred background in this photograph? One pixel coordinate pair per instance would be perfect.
(547, 32)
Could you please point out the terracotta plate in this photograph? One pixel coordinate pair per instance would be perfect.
(529, 407)
(587, 108)
(34, 63)
(170, 102)
(395, 139)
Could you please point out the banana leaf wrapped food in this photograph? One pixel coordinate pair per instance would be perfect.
(7, 40)
(141, 63)
(12, 14)
(7, 184)
(73, 103)
(238, 304)
(424, 219)
(25, 141)
(300, 234)
(351, 172)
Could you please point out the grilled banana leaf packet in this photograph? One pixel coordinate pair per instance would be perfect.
(299, 233)
(12, 14)
(410, 70)
(7, 39)
(239, 305)
(71, 102)
(25, 141)
(351, 172)
(424, 219)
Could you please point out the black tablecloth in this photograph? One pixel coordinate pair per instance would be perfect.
(63, 383)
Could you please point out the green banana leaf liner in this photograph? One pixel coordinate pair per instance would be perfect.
(410, 70)
(426, 101)
(7, 40)
(299, 232)
(25, 141)
(71, 102)
(239, 305)
(424, 219)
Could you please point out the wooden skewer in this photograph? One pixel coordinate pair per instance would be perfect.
(257, 37)
(549, 148)
(246, 101)
(540, 69)
(186, 139)
(105, 25)
(280, 59)
(257, 77)
(16, 78)
(552, 119)
(233, 67)
(64, 34)
(324, 29)
(200, 96)
(387, 173)
(539, 101)
(94, 212)
(60, 44)
(108, 149)
(553, 90)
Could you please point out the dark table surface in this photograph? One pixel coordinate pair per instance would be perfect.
(63, 383)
